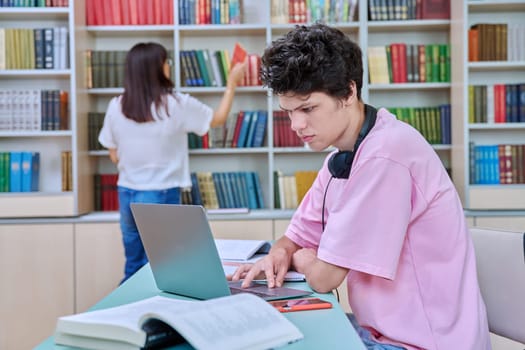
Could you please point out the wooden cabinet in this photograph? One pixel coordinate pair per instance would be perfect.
(242, 229)
(36, 272)
(99, 262)
(511, 223)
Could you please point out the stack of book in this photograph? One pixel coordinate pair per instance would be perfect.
(409, 63)
(129, 12)
(242, 130)
(34, 48)
(34, 110)
(19, 171)
(215, 190)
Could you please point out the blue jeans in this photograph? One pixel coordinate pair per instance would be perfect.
(133, 248)
(367, 339)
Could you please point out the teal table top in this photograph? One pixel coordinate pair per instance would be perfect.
(322, 329)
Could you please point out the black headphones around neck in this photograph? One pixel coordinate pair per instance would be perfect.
(340, 163)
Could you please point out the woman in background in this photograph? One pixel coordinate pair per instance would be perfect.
(145, 130)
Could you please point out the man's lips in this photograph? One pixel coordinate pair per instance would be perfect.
(307, 138)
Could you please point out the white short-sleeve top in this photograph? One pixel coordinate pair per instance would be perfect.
(154, 155)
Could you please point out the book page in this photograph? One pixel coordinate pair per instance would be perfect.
(241, 321)
(121, 323)
(240, 249)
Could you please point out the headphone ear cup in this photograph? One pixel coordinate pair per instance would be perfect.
(340, 164)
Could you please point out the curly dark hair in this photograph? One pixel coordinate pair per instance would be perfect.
(315, 58)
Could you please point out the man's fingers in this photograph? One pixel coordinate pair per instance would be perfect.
(270, 275)
(279, 279)
(250, 276)
(240, 272)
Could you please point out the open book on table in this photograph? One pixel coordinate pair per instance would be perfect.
(234, 252)
(241, 321)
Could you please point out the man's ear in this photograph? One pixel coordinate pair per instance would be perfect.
(352, 96)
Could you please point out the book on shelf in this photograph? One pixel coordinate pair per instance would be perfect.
(241, 321)
(239, 54)
(105, 192)
(30, 171)
(4, 171)
(15, 173)
(435, 9)
(126, 12)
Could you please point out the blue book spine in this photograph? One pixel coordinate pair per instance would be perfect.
(260, 129)
(251, 129)
(35, 172)
(250, 190)
(26, 171)
(15, 172)
(235, 189)
(195, 192)
(219, 187)
(521, 102)
(258, 190)
(228, 185)
(243, 133)
(494, 165)
(240, 184)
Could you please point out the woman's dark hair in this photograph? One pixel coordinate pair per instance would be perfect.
(315, 58)
(144, 81)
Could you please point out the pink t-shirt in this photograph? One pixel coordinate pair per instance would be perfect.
(398, 225)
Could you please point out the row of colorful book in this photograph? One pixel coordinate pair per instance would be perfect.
(204, 68)
(496, 103)
(34, 48)
(19, 171)
(497, 164)
(241, 130)
(409, 63)
(289, 190)
(434, 123)
(496, 42)
(34, 110)
(218, 190)
(129, 12)
(34, 3)
(105, 192)
(105, 68)
(283, 135)
(210, 11)
(306, 11)
(394, 10)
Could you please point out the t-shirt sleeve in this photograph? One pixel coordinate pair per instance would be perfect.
(305, 228)
(368, 219)
(196, 115)
(105, 137)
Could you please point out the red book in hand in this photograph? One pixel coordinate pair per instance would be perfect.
(239, 54)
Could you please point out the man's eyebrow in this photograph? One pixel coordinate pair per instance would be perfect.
(298, 107)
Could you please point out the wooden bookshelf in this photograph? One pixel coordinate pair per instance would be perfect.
(255, 32)
(484, 73)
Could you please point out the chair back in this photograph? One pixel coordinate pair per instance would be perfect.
(500, 258)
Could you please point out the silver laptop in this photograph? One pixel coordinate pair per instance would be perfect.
(183, 256)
